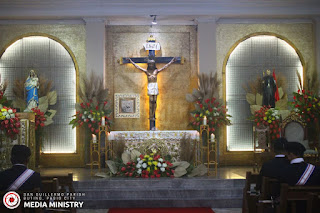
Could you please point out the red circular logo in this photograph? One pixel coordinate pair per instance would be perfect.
(11, 200)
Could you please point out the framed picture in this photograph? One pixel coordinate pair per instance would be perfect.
(127, 105)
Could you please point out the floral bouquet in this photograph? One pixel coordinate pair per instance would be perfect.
(153, 166)
(10, 123)
(39, 118)
(91, 115)
(268, 117)
(94, 109)
(215, 112)
(307, 105)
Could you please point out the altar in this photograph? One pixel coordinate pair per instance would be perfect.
(171, 139)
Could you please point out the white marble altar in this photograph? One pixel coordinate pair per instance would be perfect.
(171, 139)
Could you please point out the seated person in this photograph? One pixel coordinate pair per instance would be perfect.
(299, 172)
(274, 168)
(19, 177)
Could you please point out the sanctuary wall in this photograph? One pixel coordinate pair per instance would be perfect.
(73, 35)
(174, 82)
(73, 39)
(301, 35)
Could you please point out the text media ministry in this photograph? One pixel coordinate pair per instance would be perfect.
(53, 204)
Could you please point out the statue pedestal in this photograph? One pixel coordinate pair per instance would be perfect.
(25, 137)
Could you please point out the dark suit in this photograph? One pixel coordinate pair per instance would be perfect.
(273, 169)
(294, 171)
(8, 176)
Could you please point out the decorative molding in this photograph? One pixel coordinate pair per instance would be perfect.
(127, 105)
(48, 21)
(95, 20)
(264, 21)
(44, 9)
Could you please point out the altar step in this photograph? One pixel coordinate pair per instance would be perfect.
(163, 192)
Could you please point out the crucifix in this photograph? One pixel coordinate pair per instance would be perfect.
(152, 73)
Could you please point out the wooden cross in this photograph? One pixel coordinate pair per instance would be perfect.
(152, 46)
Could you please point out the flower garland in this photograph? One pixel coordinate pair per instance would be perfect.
(307, 105)
(90, 115)
(147, 166)
(268, 117)
(215, 112)
(10, 123)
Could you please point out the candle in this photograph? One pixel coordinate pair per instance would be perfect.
(103, 121)
(212, 137)
(94, 138)
(205, 120)
(198, 136)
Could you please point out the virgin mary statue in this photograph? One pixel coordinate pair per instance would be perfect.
(32, 85)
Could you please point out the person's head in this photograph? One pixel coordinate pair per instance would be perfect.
(268, 72)
(279, 146)
(20, 154)
(151, 63)
(295, 150)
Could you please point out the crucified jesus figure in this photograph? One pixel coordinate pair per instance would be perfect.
(153, 91)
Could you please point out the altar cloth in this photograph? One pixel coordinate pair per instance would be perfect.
(140, 136)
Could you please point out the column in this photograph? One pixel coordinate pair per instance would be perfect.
(95, 44)
(207, 45)
(317, 45)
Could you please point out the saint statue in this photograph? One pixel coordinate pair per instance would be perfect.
(153, 91)
(32, 85)
(269, 89)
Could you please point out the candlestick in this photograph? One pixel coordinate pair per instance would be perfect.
(103, 121)
(94, 138)
(212, 137)
(205, 120)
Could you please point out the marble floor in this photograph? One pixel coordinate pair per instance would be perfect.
(80, 174)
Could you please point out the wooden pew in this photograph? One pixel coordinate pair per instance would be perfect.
(65, 182)
(250, 196)
(270, 188)
(289, 195)
(50, 185)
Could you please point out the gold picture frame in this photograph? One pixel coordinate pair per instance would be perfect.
(127, 105)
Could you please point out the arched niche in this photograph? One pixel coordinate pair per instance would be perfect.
(52, 59)
(246, 60)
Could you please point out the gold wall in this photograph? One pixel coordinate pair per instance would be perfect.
(300, 35)
(174, 82)
(73, 38)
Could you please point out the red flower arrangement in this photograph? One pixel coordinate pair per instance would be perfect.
(215, 112)
(307, 105)
(90, 115)
(268, 117)
(39, 118)
(10, 123)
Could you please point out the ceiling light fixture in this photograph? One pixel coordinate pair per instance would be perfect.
(154, 19)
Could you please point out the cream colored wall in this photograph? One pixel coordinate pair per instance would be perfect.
(174, 82)
(74, 36)
(301, 35)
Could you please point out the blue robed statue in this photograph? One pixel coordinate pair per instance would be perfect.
(32, 86)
